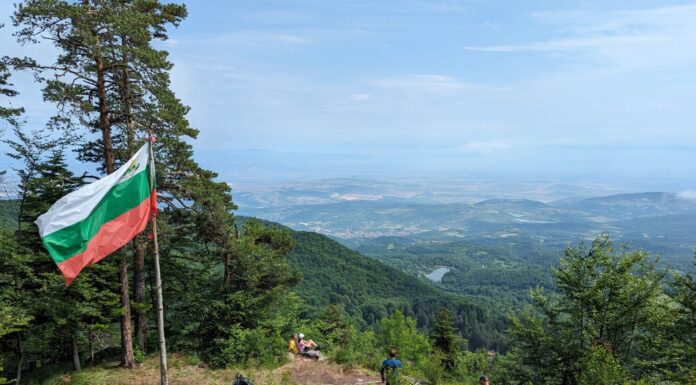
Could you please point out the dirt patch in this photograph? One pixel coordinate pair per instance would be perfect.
(188, 371)
(310, 372)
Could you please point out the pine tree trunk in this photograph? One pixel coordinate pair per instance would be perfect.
(139, 282)
(229, 253)
(105, 126)
(75, 353)
(21, 358)
(138, 247)
(104, 123)
(228, 267)
(91, 347)
(127, 358)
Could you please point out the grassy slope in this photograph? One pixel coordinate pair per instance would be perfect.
(185, 370)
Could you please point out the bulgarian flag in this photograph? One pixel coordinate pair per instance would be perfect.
(88, 224)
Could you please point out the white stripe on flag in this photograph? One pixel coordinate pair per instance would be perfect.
(77, 205)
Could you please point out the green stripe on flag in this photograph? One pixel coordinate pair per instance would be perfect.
(125, 196)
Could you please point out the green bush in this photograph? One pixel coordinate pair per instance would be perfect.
(360, 349)
(470, 365)
(599, 366)
(399, 332)
(431, 369)
(250, 347)
(138, 355)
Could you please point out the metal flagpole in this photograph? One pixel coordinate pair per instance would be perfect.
(158, 278)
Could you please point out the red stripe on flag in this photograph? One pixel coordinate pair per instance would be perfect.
(111, 237)
(153, 202)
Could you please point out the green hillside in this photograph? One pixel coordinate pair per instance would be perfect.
(371, 290)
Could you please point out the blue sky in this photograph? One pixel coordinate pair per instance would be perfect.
(539, 89)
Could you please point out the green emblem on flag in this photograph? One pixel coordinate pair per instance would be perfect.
(134, 166)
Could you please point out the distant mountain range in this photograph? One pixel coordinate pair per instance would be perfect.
(561, 221)
(491, 249)
(430, 189)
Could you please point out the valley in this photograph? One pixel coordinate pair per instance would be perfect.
(493, 249)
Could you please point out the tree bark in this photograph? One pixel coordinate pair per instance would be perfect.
(104, 123)
(105, 126)
(229, 253)
(75, 353)
(139, 282)
(127, 358)
(91, 347)
(228, 266)
(21, 358)
(138, 247)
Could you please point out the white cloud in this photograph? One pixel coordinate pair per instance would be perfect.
(687, 195)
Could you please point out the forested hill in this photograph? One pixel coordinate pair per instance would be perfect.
(370, 290)
(367, 288)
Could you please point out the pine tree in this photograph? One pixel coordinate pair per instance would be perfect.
(683, 350)
(336, 328)
(260, 283)
(608, 300)
(109, 79)
(7, 113)
(81, 86)
(15, 303)
(62, 315)
(445, 337)
(43, 180)
(32, 149)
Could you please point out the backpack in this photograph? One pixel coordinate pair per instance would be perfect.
(241, 380)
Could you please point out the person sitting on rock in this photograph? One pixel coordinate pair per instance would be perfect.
(308, 348)
(292, 345)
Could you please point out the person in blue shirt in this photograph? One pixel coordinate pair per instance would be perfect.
(390, 367)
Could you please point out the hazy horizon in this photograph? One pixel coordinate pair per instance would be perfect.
(307, 90)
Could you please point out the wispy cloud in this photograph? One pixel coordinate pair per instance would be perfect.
(620, 21)
(626, 40)
(442, 5)
(252, 38)
(424, 83)
(572, 44)
(486, 148)
(360, 97)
